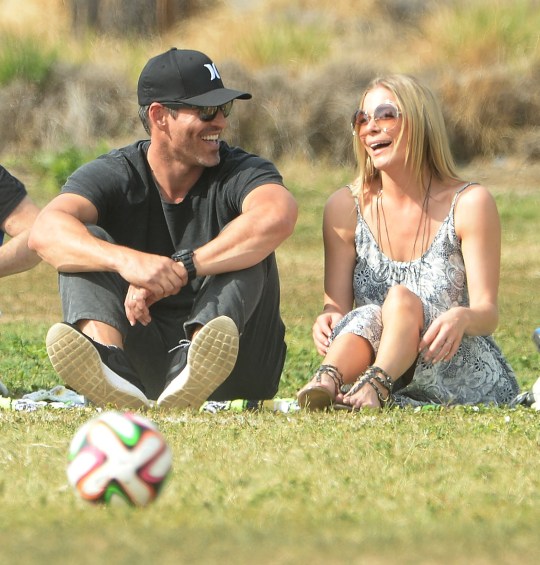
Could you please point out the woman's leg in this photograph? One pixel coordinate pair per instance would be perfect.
(347, 357)
(402, 319)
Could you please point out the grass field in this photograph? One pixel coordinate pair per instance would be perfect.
(450, 486)
(457, 485)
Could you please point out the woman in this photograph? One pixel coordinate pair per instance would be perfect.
(412, 258)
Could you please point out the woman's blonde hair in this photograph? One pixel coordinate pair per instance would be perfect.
(427, 138)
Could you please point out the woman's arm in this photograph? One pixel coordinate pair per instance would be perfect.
(478, 227)
(339, 223)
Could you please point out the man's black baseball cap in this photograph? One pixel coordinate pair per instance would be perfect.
(183, 75)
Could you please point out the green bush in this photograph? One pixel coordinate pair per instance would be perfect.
(56, 167)
(24, 58)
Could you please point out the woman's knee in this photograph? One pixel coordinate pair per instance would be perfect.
(400, 300)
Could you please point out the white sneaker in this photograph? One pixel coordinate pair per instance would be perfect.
(199, 367)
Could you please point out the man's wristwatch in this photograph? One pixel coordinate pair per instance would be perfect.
(185, 256)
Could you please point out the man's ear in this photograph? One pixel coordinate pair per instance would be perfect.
(158, 115)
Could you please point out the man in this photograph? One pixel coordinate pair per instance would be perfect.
(140, 325)
(17, 213)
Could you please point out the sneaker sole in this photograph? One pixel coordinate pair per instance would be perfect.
(79, 365)
(211, 359)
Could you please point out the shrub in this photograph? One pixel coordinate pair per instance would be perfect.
(25, 59)
(484, 32)
(282, 41)
(56, 167)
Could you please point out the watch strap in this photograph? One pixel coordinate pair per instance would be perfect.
(185, 256)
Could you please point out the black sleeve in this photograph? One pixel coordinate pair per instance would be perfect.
(105, 182)
(245, 172)
(12, 192)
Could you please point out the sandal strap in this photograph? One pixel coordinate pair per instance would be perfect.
(384, 400)
(356, 386)
(333, 372)
(386, 380)
(373, 373)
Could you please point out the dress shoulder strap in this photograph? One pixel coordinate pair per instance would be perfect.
(356, 203)
(459, 191)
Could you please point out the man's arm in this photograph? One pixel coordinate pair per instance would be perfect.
(61, 238)
(15, 256)
(268, 217)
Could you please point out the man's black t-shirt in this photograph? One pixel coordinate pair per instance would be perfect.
(12, 192)
(121, 187)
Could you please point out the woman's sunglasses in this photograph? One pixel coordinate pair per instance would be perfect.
(385, 116)
(206, 113)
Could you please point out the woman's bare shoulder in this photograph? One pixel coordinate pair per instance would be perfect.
(474, 195)
(342, 198)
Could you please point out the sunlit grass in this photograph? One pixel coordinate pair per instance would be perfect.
(279, 41)
(485, 32)
(452, 486)
(303, 34)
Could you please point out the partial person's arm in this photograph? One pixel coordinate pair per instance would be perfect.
(478, 226)
(15, 256)
(268, 217)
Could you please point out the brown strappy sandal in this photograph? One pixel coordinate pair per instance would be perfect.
(316, 396)
(381, 377)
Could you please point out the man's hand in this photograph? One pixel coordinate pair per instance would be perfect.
(151, 277)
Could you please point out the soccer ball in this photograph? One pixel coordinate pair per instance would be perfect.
(118, 458)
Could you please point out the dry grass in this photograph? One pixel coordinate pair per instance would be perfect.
(305, 62)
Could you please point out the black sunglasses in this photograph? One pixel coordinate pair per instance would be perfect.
(385, 116)
(206, 113)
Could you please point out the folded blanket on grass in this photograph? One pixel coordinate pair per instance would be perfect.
(57, 397)
(62, 397)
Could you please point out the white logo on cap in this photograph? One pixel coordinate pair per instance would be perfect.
(213, 71)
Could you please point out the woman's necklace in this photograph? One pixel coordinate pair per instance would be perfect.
(422, 226)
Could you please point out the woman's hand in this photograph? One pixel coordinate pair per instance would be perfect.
(322, 330)
(443, 337)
